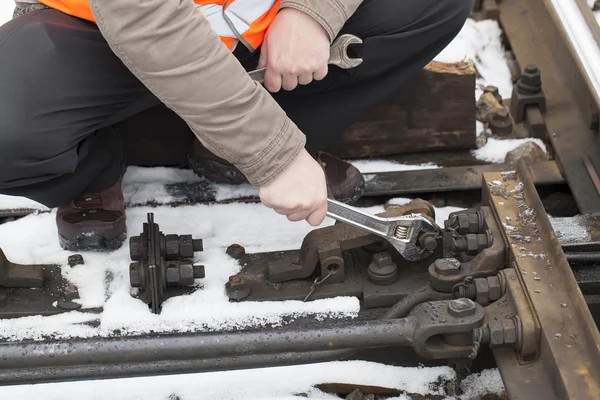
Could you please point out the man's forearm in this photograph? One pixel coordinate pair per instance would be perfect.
(331, 14)
(174, 52)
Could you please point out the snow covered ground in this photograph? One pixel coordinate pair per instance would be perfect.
(103, 281)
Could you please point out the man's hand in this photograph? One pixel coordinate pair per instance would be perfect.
(295, 51)
(300, 192)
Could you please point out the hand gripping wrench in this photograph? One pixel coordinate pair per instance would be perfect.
(338, 55)
(406, 233)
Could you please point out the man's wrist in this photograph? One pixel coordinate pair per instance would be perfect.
(315, 13)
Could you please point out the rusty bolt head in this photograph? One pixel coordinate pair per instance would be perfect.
(461, 308)
(459, 244)
(75, 259)
(236, 251)
(383, 270)
(238, 288)
(134, 275)
(197, 245)
(382, 259)
(447, 266)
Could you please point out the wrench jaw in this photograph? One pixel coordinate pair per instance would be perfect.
(405, 237)
(338, 54)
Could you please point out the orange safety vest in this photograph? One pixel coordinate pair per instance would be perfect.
(244, 20)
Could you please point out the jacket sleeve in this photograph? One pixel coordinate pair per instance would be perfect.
(331, 14)
(170, 47)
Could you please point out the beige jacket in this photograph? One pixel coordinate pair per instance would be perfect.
(172, 49)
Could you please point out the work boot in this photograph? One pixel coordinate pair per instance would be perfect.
(345, 182)
(205, 164)
(93, 221)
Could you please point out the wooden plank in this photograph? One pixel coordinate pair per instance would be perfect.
(434, 111)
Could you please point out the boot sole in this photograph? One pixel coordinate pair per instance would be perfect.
(93, 242)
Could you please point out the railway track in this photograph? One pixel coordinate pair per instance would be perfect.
(514, 300)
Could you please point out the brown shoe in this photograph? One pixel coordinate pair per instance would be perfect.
(215, 169)
(345, 182)
(93, 221)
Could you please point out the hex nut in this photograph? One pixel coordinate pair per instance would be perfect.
(186, 274)
(134, 275)
(496, 334)
(236, 251)
(135, 248)
(75, 259)
(472, 243)
(382, 270)
(186, 246)
(382, 259)
(463, 224)
(482, 291)
(447, 266)
(173, 276)
(171, 247)
(495, 288)
(238, 288)
(474, 223)
(461, 308)
(510, 332)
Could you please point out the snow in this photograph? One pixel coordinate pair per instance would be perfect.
(375, 165)
(279, 383)
(6, 10)
(495, 150)
(480, 42)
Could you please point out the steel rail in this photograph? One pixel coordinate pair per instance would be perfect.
(34, 362)
(567, 356)
(583, 37)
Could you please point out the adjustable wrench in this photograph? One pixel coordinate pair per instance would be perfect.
(411, 235)
(338, 55)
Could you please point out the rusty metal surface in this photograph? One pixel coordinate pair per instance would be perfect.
(565, 360)
(450, 179)
(536, 38)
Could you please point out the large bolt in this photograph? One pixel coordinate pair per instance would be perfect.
(500, 123)
(238, 288)
(236, 251)
(383, 270)
(428, 241)
(199, 271)
(461, 308)
(530, 81)
(447, 266)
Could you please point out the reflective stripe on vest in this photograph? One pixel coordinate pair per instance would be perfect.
(244, 20)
